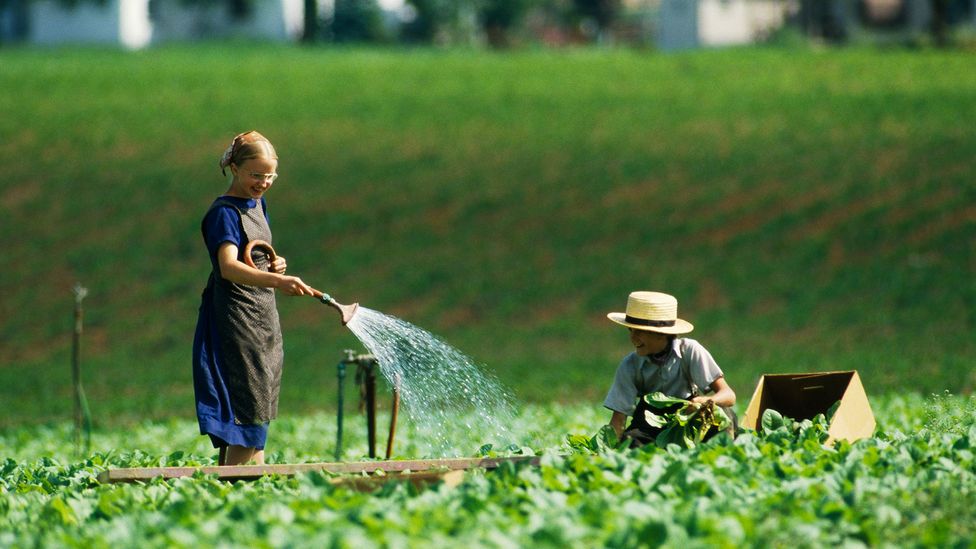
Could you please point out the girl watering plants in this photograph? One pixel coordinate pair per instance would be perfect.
(237, 353)
(661, 362)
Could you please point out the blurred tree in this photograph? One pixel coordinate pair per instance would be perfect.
(74, 3)
(940, 22)
(499, 17)
(823, 19)
(311, 30)
(601, 13)
(13, 20)
(238, 9)
(432, 16)
(356, 21)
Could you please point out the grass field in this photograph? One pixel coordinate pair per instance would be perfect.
(811, 210)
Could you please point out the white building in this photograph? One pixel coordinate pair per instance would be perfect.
(137, 23)
(683, 24)
(124, 22)
(279, 20)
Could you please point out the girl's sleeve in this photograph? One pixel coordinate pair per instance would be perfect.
(623, 393)
(221, 225)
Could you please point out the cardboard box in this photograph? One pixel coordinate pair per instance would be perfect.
(802, 396)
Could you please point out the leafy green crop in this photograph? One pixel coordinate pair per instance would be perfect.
(604, 440)
(683, 422)
(908, 486)
(680, 421)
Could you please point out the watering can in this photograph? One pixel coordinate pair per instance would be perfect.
(346, 311)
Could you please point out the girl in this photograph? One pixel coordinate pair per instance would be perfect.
(237, 356)
(661, 361)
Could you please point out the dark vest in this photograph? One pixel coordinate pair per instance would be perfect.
(251, 355)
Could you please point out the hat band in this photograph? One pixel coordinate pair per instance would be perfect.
(645, 322)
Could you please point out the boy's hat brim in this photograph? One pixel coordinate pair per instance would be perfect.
(652, 312)
(680, 326)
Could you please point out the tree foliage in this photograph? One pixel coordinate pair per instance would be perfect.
(355, 21)
(433, 18)
(499, 17)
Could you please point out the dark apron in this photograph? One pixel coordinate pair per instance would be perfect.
(251, 354)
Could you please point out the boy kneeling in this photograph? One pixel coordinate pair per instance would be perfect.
(661, 361)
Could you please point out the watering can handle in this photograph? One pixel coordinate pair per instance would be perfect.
(263, 245)
(260, 244)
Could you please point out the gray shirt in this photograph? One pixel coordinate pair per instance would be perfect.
(638, 376)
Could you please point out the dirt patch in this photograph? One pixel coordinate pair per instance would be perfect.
(844, 212)
(19, 195)
(953, 221)
(710, 295)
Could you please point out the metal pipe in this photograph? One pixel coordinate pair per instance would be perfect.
(393, 417)
(341, 368)
(370, 383)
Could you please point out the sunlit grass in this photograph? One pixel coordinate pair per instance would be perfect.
(810, 210)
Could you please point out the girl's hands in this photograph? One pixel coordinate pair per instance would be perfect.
(279, 265)
(292, 285)
(240, 272)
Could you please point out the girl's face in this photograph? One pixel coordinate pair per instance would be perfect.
(648, 343)
(253, 177)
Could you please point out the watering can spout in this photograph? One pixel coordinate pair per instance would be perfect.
(346, 311)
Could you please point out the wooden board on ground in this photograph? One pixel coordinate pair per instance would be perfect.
(252, 472)
(419, 480)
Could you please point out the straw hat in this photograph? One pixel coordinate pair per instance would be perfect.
(654, 312)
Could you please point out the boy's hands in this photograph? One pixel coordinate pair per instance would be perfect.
(696, 403)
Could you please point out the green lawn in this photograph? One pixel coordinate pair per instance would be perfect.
(811, 210)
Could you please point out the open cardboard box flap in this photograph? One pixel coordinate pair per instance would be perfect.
(803, 396)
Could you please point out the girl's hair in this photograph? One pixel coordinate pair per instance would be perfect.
(246, 146)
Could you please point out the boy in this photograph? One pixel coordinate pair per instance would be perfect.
(661, 361)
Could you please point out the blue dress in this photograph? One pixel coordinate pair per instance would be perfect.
(216, 376)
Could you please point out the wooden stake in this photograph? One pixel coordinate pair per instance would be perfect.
(82, 415)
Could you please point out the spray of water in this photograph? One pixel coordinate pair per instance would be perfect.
(442, 392)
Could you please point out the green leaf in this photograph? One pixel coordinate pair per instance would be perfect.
(654, 420)
(579, 443)
(606, 439)
(671, 435)
(831, 411)
(661, 401)
(772, 421)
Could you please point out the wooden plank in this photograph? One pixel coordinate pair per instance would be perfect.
(420, 480)
(251, 472)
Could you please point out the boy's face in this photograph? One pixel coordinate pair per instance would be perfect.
(648, 343)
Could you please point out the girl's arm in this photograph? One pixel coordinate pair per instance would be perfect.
(238, 272)
(722, 394)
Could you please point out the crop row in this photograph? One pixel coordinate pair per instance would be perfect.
(913, 484)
